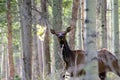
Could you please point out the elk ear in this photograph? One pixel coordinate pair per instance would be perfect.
(52, 31)
(68, 29)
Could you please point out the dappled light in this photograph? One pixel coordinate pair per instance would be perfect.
(60, 39)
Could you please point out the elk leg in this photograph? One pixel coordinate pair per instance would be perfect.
(118, 74)
(82, 72)
(67, 76)
(102, 75)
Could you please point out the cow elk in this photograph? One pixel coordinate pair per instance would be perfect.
(107, 62)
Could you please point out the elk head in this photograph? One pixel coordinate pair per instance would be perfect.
(61, 35)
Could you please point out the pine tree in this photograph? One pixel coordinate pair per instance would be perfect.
(27, 38)
(10, 48)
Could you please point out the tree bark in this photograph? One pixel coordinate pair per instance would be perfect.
(40, 56)
(79, 27)
(35, 60)
(7, 65)
(57, 25)
(36, 69)
(75, 8)
(83, 20)
(22, 72)
(103, 23)
(90, 41)
(46, 39)
(3, 61)
(27, 39)
(10, 48)
(115, 22)
(44, 52)
(98, 22)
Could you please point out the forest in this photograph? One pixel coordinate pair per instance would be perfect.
(59, 40)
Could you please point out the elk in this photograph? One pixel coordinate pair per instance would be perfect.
(107, 62)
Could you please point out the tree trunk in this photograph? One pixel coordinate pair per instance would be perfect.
(35, 60)
(57, 25)
(90, 41)
(40, 56)
(35, 70)
(98, 22)
(27, 39)
(115, 22)
(46, 39)
(10, 48)
(75, 8)
(7, 65)
(22, 73)
(3, 61)
(82, 20)
(79, 28)
(38, 44)
(3, 57)
(103, 23)
(47, 52)
(44, 42)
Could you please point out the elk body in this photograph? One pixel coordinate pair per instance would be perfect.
(75, 59)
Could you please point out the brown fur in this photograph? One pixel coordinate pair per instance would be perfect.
(75, 59)
(107, 62)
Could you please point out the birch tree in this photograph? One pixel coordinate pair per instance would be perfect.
(79, 28)
(103, 23)
(82, 19)
(10, 48)
(90, 40)
(98, 22)
(115, 23)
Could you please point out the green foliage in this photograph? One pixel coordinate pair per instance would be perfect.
(66, 3)
(3, 20)
(50, 2)
(119, 7)
(16, 36)
(50, 14)
(2, 13)
(67, 12)
(41, 31)
(2, 6)
(17, 77)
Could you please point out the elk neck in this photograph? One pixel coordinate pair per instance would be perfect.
(67, 53)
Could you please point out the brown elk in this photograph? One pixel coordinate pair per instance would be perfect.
(107, 62)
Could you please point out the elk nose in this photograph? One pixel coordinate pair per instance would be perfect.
(60, 37)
